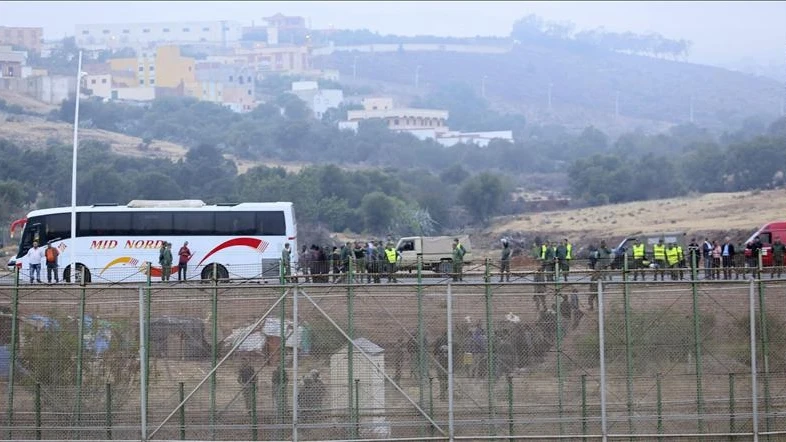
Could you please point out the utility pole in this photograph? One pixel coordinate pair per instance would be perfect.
(417, 76)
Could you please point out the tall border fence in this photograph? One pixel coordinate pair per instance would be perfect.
(593, 355)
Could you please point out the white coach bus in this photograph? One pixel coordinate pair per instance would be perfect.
(114, 243)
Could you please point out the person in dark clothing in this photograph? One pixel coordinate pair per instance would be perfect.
(279, 382)
(441, 354)
(727, 257)
(247, 378)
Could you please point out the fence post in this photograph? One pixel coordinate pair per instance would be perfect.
(697, 345)
(12, 359)
(510, 407)
(353, 430)
(254, 422)
(754, 381)
(295, 366)
(765, 347)
(449, 308)
(602, 361)
(560, 381)
(490, 374)
(214, 352)
(38, 411)
(80, 349)
(659, 405)
(109, 411)
(732, 424)
(628, 345)
(357, 408)
(282, 353)
(421, 358)
(147, 317)
(431, 403)
(584, 406)
(143, 365)
(181, 397)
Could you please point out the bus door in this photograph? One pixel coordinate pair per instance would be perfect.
(33, 232)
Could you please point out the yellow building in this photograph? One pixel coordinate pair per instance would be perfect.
(162, 67)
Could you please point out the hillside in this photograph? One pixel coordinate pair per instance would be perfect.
(714, 214)
(585, 83)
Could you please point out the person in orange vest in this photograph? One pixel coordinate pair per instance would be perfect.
(51, 255)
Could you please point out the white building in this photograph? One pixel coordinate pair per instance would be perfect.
(371, 386)
(133, 34)
(318, 100)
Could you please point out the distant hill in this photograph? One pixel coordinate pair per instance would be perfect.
(585, 83)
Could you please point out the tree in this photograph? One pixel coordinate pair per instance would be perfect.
(378, 210)
(482, 195)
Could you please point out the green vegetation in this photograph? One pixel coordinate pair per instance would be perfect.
(411, 201)
(658, 337)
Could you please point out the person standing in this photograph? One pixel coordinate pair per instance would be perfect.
(286, 261)
(778, 251)
(247, 378)
(392, 256)
(182, 264)
(165, 259)
(706, 255)
(560, 258)
(279, 382)
(639, 253)
(659, 255)
(34, 257)
(458, 260)
(51, 262)
(441, 355)
(504, 262)
(397, 355)
(568, 257)
(727, 257)
(694, 254)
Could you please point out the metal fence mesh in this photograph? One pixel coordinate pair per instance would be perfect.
(424, 357)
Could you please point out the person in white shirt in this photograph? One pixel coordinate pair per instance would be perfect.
(34, 256)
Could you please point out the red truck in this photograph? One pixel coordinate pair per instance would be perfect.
(767, 235)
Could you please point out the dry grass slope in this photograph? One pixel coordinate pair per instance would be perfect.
(708, 212)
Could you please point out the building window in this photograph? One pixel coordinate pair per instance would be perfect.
(142, 82)
(166, 29)
(105, 31)
(240, 80)
(186, 30)
(249, 92)
(103, 81)
(146, 31)
(93, 81)
(141, 68)
(395, 122)
(205, 29)
(152, 81)
(249, 79)
(85, 32)
(189, 69)
(231, 79)
(151, 68)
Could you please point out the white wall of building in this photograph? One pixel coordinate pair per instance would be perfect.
(134, 93)
(129, 34)
(326, 99)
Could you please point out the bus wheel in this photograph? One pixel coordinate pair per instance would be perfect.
(221, 273)
(78, 276)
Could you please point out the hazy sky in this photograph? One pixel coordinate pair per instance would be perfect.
(721, 31)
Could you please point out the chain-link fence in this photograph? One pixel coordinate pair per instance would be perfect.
(341, 357)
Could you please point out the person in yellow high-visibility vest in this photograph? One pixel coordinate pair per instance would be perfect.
(659, 255)
(639, 252)
(673, 259)
(564, 263)
(681, 263)
(391, 257)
